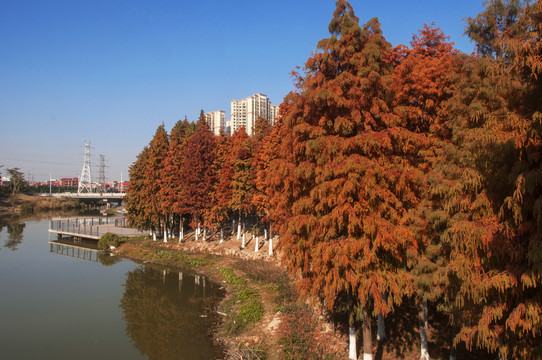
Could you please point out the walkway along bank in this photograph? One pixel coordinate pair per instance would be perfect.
(92, 227)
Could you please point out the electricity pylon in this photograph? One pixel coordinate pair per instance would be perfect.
(85, 182)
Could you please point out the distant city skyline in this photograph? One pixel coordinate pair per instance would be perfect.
(111, 72)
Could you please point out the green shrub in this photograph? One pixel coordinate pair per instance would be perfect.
(109, 239)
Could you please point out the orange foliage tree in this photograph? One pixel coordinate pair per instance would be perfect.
(345, 178)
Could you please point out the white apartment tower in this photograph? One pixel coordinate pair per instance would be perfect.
(216, 121)
(274, 114)
(245, 112)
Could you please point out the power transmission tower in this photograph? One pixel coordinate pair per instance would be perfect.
(101, 170)
(85, 183)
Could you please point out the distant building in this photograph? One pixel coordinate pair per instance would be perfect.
(69, 182)
(216, 121)
(123, 186)
(228, 127)
(245, 112)
(5, 181)
(274, 114)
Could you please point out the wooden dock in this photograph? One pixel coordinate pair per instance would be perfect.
(91, 228)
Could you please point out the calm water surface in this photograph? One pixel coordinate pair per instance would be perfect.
(66, 303)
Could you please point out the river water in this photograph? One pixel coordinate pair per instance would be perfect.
(65, 302)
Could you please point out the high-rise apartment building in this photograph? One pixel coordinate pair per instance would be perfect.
(274, 114)
(245, 112)
(216, 121)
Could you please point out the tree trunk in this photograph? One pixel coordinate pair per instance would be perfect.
(165, 232)
(264, 234)
(181, 230)
(256, 248)
(243, 244)
(381, 334)
(221, 234)
(270, 246)
(352, 345)
(204, 234)
(367, 336)
(197, 232)
(153, 235)
(422, 313)
(239, 227)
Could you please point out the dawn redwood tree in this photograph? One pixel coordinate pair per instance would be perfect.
(345, 181)
(136, 195)
(488, 27)
(172, 191)
(221, 195)
(267, 151)
(157, 153)
(242, 183)
(500, 297)
(423, 81)
(199, 177)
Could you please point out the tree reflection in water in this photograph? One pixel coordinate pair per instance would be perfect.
(15, 235)
(169, 314)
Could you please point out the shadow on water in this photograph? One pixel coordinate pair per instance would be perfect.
(168, 313)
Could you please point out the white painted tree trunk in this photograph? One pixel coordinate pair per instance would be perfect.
(221, 235)
(239, 227)
(352, 346)
(204, 234)
(153, 235)
(424, 348)
(265, 234)
(243, 244)
(270, 246)
(181, 230)
(165, 233)
(197, 232)
(256, 248)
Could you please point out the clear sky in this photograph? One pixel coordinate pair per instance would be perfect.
(111, 71)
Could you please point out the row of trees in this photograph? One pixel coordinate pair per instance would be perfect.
(393, 173)
(192, 177)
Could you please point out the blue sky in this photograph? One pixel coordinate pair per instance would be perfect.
(111, 71)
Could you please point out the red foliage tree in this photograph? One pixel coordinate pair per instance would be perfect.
(172, 191)
(198, 178)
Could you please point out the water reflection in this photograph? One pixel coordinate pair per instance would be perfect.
(15, 226)
(15, 235)
(167, 314)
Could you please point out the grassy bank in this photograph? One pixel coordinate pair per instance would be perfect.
(262, 317)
